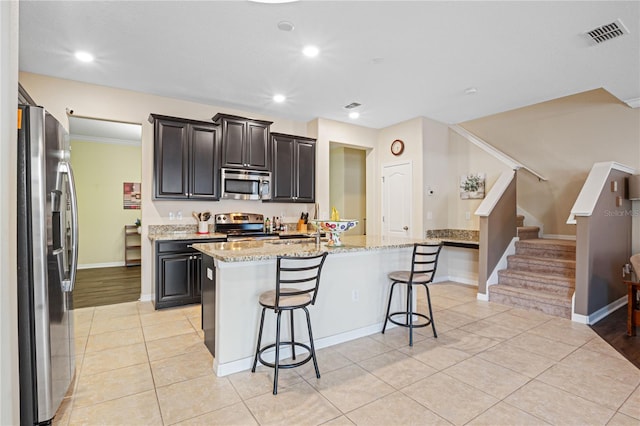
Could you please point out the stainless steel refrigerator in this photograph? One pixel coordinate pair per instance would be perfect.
(47, 261)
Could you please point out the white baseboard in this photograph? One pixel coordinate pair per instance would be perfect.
(145, 298)
(100, 265)
(246, 363)
(600, 313)
(483, 297)
(460, 280)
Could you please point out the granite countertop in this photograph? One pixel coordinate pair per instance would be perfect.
(180, 232)
(189, 232)
(246, 251)
(184, 235)
(456, 237)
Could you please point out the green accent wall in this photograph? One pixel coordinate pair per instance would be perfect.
(100, 170)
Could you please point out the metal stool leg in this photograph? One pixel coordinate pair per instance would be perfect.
(311, 345)
(410, 312)
(386, 317)
(293, 346)
(433, 324)
(255, 358)
(277, 360)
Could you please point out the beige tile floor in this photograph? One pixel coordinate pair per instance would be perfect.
(490, 365)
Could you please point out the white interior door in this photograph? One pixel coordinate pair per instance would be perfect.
(396, 200)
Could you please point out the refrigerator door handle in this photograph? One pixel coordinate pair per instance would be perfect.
(69, 283)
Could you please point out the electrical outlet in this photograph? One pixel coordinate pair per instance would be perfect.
(467, 215)
(429, 215)
(355, 295)
(209, 274)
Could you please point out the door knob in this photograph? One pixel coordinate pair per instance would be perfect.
(406, 228)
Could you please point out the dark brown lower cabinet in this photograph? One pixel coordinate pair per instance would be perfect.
(178, 273)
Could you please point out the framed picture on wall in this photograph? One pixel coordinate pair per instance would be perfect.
(472, 186)
(131, 193)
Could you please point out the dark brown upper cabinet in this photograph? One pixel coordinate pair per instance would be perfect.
(294, 168)
(245, 142)
(186, 160)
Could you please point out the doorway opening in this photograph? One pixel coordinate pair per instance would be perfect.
(106, 158)
(348, 184)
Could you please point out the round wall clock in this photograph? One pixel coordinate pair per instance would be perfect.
(397, 147)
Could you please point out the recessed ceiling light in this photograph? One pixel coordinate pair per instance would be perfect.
(311, 51)
(279, 98)
(285, 26)
(84, 56)
(273, 1)
(354, 114)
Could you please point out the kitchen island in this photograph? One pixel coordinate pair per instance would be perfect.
(351, 299)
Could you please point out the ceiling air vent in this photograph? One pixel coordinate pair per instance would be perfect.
(607, 32)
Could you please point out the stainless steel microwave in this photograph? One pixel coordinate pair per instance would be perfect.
(238, 184)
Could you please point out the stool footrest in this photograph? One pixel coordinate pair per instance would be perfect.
(288, 344)
(414, 325)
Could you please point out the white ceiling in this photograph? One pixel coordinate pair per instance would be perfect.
(399, 60)
(104, 131)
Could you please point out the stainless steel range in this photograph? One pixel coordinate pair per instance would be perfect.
(243, 227)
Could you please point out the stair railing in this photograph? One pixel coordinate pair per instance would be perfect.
(493, 151)
(497, 214)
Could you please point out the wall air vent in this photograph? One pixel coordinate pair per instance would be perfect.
(606, 32)
(352, 105)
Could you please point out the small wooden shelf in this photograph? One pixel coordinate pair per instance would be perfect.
(132, 246)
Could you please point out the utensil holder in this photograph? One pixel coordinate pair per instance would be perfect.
(203, 227)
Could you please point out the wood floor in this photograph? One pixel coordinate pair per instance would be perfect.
(613, 329)
(106, 286)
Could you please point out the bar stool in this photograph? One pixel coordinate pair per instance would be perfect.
(304, 273)
(423, 268)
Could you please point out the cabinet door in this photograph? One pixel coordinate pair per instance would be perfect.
(174, 280)
(256, 147)
(306, 172)
(283, 168)
(203, 182)
(233, 141)
(171, 159)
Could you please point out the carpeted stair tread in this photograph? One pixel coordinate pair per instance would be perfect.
(552, 266)
(528, 232)
(535, 281)
(547, 248)
(541, 296)
(550, 304)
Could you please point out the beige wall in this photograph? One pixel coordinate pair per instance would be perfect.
(562, 139)
(100, 169)
(465, 158)
(327, 131)
(411, 132)
(123, 105)
(347, 181)
(9, 388)
(435, 139)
